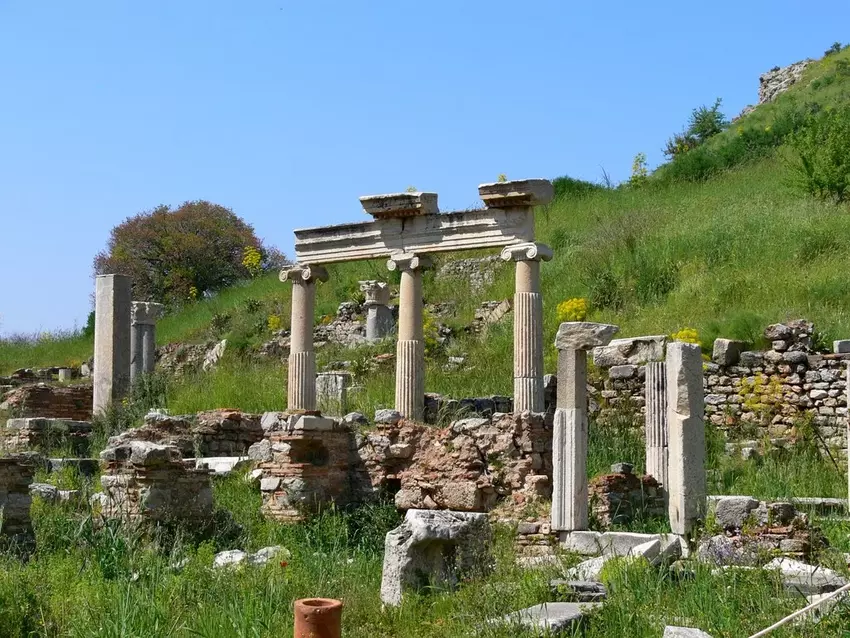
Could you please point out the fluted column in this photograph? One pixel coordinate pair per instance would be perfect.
(569, 434)
(379, 317)
(301, 384)
(410, 350)
(111, 340)
(143, 317)
(528, 325)
(656, 421)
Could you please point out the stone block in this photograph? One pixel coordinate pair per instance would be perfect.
(622, 372)
(515, 193)
(311, 423)
(727, 352)
(387, 416)
(806, 579)
(841, 346)
(434, 548)
(584, 335)
(400, 204)
(586, 543)
(731, 512)
(684, 632)
(630, 351)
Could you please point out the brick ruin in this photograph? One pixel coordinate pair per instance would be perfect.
(45, 435)
(146, 482)
(72, 402)
(16, 474)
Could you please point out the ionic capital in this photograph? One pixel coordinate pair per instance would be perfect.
(145, 312)
(527, 252)
(304, 273)
(408, 261)
(377, 292)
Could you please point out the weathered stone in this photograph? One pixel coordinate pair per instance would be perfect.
(390, 417)
(841, 346)
(806, 579)
(684, 632)
(434, 548)
(581, 591)
(731, 512)
(727, 352)
(111, 340)
(400, 204)
(685, 409)
(632, 350)
(584, 335)
(548, 618)
(622, 372)
(516, 193)
(261, 451)
(355, 419)
(229, 558)
(45, 491)
(265, 554)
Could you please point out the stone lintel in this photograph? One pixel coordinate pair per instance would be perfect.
(377, 292)
(400, 204)
(521, 192)
(584, 335)
(446, 232)
(408, 261)
(303, 273)
(146, 312)
(311, 423)
(529, 251)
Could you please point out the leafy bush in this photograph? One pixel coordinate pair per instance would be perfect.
(174, 255)
(639, 171)
(686, 335)
(835, 48)
(822, 149)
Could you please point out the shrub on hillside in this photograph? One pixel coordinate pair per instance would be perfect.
(573, 188)
(704, 123)
(174, 255)
(822, 155)
(835, 48)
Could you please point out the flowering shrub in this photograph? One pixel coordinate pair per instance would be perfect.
(252, 260)
(639, 171)
(274, 322)
(193, 293)
(574, 309)
(686, 335)
(431, 332)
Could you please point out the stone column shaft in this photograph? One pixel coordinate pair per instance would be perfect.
(656, 421)
(686, 483)
(301, 375)
(379, 317)
(410, 350)
(570, 427)
(569, 444)
(111, 340)
(143, 338)
(528, 325)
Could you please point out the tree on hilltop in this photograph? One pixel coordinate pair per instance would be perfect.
(178, 255)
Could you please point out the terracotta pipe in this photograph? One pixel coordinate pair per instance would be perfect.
(318, 618)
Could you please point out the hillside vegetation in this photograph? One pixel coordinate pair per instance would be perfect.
(719, 240)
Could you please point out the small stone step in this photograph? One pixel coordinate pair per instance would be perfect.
(551, 617)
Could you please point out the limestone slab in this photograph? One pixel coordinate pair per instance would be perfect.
(584, 335)
(400, 204)
(445, 232)
(520, 192)
(548, 617)
(632, 350)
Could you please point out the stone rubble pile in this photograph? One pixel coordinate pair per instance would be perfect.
(43, 435)
(779, 80)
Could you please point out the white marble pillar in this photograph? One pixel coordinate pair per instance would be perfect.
(655, 389)
(111, 340)
(686, 483)
(410, 350)
(379, 317)
(143, 317)
(301, 385)
(569, 434)
(528, 325)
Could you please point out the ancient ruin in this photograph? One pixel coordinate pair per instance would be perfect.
(143, 338)
(407, 227)
(111, 340)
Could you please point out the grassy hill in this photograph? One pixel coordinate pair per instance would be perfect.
(717, 240)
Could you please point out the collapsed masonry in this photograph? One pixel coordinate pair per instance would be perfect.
(16, 475)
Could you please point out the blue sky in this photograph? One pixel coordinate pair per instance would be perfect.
(287, 112)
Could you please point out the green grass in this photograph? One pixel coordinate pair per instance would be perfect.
(95, 580)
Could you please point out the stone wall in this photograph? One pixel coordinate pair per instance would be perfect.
(72, 402)
(622, 497)
(748, 394)
(210, 433)
(16, 474)
(145, 482)
(43, 435)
